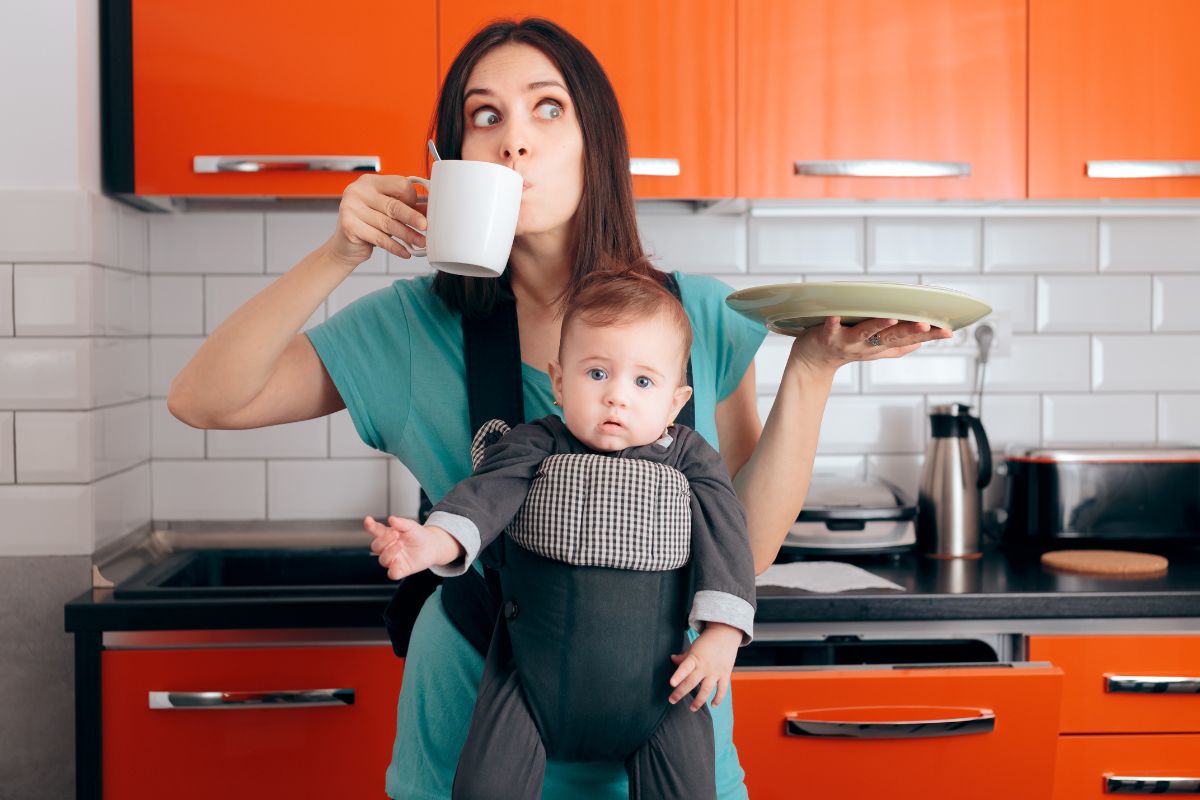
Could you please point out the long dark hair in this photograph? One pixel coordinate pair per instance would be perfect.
(605, 225)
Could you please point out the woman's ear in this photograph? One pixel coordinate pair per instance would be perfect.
(682, 395)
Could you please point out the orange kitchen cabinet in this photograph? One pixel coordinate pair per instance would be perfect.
(920, 753)
(831, 83)
(1154, 703)
(1086, 764)
(1113, 81)
(230, 78)
(671, 63)
(273, 751)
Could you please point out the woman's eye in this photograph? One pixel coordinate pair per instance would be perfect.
(485, 118)
(549, 110)
(597, 374)
(643, 382)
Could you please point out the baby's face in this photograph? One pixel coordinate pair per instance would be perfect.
(620, 386)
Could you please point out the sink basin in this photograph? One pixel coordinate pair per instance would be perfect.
(220, 573)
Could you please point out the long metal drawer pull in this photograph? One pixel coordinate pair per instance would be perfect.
(1125, 784)
(298, 698)
(667, 167)
(905, 729)
(1150, 684)
(883, 168)
(1143, 169)
(207, 164)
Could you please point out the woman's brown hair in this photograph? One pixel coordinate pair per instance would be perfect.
(605, 223)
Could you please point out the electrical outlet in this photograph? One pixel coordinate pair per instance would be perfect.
(963, 341)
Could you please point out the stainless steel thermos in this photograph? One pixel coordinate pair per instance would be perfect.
(952, 481)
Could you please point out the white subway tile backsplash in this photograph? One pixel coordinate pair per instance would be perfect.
(344, 441)
(341, 489)
(167, 357)
(904, 471)
(1012, 295)
(354, 287)
(1160, 362)
(6, 299)
(57, 300)
(206, 243)
(170, 438)
(1041, 363)
(122, 503)
(224, 295)
(120, 370)
(798, 244)
(126, 303)
(1145, 244)
(771, 361)
(1007, 418)
(105, 230)
(413, 265)
(853, 467)
(121, 437)
(134, 240)
(291, 235)
(176, 304)
(209, 490)
(47, 520)
(1092, 304)
(307, 439)
(45, 373)
(752, 280)
(1037, 244)
(404, 492)
(45, 225)
(880, 424)
(923, 244)
(1176, 303)
(708, 243)
(1074, 419)
(1179, 419)
(54, 447)
(8, 467)
(919, 373)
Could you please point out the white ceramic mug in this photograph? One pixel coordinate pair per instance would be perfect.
(472, 217)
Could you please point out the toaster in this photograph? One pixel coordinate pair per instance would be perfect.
(1073, 496)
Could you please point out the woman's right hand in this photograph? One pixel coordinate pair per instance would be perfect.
(375, 211)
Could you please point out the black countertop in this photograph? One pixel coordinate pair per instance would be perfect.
(995, 586)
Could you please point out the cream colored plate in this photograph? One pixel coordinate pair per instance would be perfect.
(789, 308)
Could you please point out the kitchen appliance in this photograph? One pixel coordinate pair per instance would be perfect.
(952, 481)
(1102, 494)
(844, 516)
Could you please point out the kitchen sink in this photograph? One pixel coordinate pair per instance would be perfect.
(221, 573)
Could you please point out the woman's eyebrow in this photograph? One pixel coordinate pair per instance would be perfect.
(530, 88)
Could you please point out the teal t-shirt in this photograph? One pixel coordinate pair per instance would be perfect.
(396, 358)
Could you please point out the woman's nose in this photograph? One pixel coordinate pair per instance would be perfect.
(515, 144)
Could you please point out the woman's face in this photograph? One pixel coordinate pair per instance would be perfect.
(518, 113)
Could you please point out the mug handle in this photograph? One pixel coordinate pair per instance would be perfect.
(412, 249)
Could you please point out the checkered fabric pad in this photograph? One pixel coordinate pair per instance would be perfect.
(601, 511)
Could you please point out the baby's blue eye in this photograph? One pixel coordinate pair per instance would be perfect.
(597, 374)
(643, 382)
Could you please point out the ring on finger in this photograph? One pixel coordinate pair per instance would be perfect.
(874, 341)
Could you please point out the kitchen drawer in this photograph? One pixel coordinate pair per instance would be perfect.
(1086, 762)
(789, 749)
(272, 750)
(1156, 706)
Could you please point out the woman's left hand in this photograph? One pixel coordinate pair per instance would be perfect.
(833, 345)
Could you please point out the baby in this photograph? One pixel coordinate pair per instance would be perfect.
(623, 529)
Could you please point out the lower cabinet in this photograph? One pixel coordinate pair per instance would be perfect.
(212, 722)
(970, 733)
(1101, 766)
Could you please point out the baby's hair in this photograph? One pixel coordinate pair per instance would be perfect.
(617, 296)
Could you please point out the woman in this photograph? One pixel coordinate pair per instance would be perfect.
(533, 98)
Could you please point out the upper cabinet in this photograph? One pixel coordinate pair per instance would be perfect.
(881, 98)
(1114, 90)
(671, 63)
(225, 97)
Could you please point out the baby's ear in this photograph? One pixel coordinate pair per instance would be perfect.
(682, 395)
(554, 369)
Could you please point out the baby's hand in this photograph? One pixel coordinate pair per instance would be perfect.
(407, 547)
(708, 662)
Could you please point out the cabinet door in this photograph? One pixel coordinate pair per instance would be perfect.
(891, 87)
(280, 748)
(1113, 81)
(1162, 765)
(229, 78)
(1126, 684)
(905, 733)
(671, 63)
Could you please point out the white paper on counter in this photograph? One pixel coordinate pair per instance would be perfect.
(822, 576)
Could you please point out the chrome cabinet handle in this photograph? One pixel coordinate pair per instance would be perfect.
(299, 698)
(882, 168)
(908, 729)
(1150, 684)
(1125, 784)
(1143, 169)
(208, 164)
(668, 167)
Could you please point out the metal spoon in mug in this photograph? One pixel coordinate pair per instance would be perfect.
(433, 151)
